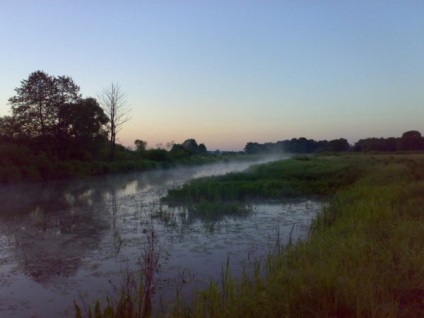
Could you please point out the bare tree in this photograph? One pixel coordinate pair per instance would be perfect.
(114, 104)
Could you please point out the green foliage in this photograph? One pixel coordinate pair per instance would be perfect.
(188, 148)
(82, 130)
(277, 180)
(298, 145)
(38, 102)
(363, 258)
(50, 119)
(410, 141)
(157, 155)
(140, 145)
(53, 133)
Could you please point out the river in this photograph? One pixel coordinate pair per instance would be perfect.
(75, 240)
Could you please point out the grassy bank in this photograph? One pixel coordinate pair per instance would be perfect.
(295, 177)
(20, 165)
(365, 253)
(364, 256)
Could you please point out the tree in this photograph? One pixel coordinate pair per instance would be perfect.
(339, 145)
(202, 148)
(9, 129)
(412, 140)
(48, 114)
(140, 145)
(253, 148)
(83, 125)
(114, 104)
(85, 120)
(192, 147)
(38, 102)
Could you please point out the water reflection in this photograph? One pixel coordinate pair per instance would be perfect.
(52, 226)
(50, 240)
(209, 213)
(62, 238)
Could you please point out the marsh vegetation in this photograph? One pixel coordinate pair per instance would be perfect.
(362, 257)
(363, 254)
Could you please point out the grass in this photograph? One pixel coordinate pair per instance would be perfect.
(136, 292)
(364, 256)
(289, 178)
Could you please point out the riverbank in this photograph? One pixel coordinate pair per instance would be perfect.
(21, 166)
(363, 257)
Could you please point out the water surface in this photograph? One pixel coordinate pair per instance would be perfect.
(74, 240)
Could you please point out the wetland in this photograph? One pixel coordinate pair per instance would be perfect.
(74, 240)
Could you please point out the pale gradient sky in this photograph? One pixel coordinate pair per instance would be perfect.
(229, 72)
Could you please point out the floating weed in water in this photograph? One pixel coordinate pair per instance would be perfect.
(165, 215)
(217, 211)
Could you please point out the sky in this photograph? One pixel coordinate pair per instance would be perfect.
(228, 72)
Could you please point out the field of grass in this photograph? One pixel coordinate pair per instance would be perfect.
(364, 256)
(300, 176)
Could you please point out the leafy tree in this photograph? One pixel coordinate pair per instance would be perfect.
(297, 145)
(187, 148)
(253, 148)
(140, 145)
(85, 120)
(38, 102)
(190, 145)
(48, 114)
(339, 145)
(202, 148)
(114, 104)
(9, 129)
(411, 140)
(83, 125)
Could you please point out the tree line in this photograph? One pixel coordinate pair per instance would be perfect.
(49, 115)
(409, 141)
(53, 132)
(298, 145)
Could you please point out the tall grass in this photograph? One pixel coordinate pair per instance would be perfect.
(364, 257)
(277, 180)
(136, 292)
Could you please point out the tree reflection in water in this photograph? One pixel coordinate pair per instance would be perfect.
(68, 221)
(65, 239)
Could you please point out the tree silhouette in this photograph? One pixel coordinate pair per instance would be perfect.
(411, 140)
(38, 102)
(114, 104)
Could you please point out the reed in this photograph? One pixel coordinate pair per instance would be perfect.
(277, 180)
(364, 256)
(135, 294)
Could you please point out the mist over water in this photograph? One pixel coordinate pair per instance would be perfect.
(73, 240)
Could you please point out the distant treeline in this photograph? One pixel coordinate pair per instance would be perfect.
(298, 145)
(409, 141)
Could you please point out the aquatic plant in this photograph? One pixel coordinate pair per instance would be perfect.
(277, 180)
(135, 294)
(363, 257)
